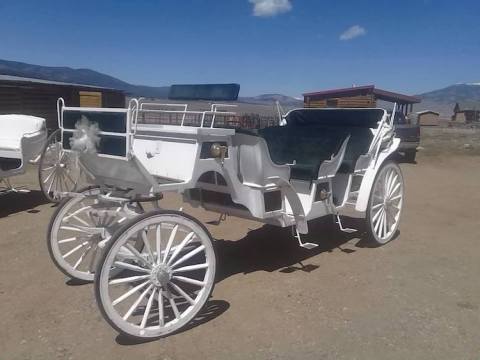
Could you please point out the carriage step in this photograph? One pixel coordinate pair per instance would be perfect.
(305, 245)
(345, 230)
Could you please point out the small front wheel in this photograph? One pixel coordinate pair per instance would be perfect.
(385, 204)
(162, 288)
(79, 227)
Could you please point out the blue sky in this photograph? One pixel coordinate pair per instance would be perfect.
(267, 46)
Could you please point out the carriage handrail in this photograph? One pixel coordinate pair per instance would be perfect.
(184, 106)
(214, 108)
(192, 112)
(60, 106)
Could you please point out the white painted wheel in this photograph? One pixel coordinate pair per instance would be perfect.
(57, 170)
(79, 228)
(385, 204)
(163, 287)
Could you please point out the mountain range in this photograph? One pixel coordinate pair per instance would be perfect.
(95, 78)
(441, 100)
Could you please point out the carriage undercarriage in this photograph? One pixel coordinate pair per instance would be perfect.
(154, 270)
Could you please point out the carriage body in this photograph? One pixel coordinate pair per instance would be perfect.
(321, 162)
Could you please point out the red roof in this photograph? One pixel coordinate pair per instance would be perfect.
(362, 90)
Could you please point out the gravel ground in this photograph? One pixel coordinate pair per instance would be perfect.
(415, 298)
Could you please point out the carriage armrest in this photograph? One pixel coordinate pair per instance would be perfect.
(329, 168)
(255, 165)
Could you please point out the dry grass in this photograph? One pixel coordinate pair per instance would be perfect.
(438, 140)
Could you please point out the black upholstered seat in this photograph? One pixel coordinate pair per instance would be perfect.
(309, 146)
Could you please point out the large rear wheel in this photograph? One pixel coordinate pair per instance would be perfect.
(162, 288)
(385, 204)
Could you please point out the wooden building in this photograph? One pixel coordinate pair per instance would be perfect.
(428, 118)
(466, 112)
(19, 95)
(358, 97)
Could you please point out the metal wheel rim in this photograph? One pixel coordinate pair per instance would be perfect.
(386, 204)
(57, 172)
(155, 320)
(73, 248)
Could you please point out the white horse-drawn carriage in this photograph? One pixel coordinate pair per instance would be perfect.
(154, 271)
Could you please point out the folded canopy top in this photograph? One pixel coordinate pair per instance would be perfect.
(335, 117)
(212, 92)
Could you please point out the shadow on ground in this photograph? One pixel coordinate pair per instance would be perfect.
(15, 202)
(212, 310)
(271, 248)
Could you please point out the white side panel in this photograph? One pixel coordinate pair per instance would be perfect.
(172, 159)
(369, 177)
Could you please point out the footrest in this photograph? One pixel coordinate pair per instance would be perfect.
(345, 230)
(305, 245)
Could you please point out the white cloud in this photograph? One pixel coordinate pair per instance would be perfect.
(353, 32)
(270, 7)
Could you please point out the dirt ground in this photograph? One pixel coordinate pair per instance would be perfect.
(416, 298)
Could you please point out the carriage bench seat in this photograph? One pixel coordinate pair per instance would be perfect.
(18, 132)
(307, 147)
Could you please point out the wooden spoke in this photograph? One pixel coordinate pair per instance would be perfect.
(128, 279)
(191, 268)
(188, 255)
(136, 303)
(146, 242)
(147, 309)
(182, 293)
(75, 249)
(189, 280)
(126, 266)
(170, 242)
(129, 293)
(180, 247)
(158, 241)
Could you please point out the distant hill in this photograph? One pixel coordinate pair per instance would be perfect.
(264, 99)
(79, 76)
(454, 93)
(443, 100)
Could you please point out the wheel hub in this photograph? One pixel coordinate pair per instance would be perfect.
(161, 275)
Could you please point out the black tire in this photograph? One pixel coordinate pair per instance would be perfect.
(108, 248)
(410, 155)
(370, 222)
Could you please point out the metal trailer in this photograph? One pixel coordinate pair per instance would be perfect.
(154, 271)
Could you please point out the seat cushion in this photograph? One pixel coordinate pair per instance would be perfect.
(15, 126)
(309, 146)
(10, 144)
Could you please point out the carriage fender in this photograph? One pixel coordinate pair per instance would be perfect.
(371, 173)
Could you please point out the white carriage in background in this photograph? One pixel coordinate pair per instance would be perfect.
(23, 140)
(154, 271)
